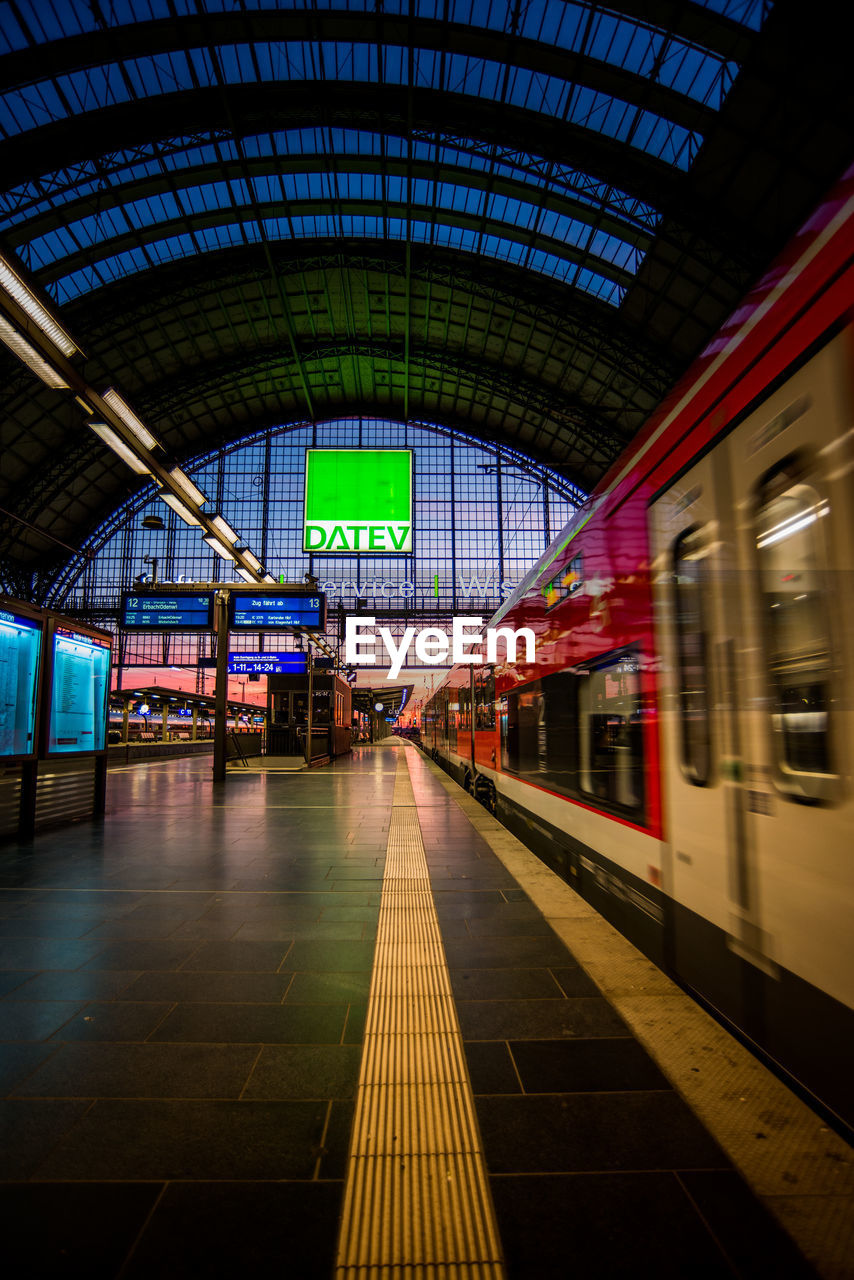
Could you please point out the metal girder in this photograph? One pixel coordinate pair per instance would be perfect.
(593, 431)
(262, 108)
(209, 172)
(576, 320)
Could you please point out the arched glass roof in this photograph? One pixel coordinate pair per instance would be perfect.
(518, 220)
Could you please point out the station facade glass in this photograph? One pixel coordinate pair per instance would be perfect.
(482, 516)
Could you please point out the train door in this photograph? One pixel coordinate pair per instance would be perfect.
(706, 868)
(754, 617)
(793, 461)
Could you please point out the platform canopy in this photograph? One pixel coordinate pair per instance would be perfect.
(517, 220)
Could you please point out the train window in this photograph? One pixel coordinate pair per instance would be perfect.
(484, 698)
(611, 733)
(465, 708)
(689, 579)
(792, 568)
(524, 745)
(560, 724)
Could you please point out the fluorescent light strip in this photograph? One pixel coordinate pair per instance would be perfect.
(37, 363)
(246, 575)
(178, 507)
(794, 524)
(12, 283)
(252, 560)
(185, 484)
(219, 548)
(222, 526)
(114, 442)
(129, 418)
(268, 578)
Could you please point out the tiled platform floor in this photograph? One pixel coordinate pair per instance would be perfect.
(183, 997)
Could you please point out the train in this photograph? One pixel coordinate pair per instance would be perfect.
(679, 748)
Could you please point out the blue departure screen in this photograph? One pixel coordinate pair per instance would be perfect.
(273, 612)
(20, 647)
(78, 699)
(267, 664)
(167, 611)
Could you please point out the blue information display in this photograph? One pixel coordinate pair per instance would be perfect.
(267, 664)
(257, 612)
(20, 646)
(78, 697)
(167, 611)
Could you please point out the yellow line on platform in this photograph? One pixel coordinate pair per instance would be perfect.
(416, 1202)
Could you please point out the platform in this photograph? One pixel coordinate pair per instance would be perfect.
(238, 1018)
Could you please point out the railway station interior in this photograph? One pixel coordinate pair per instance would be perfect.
(426, 623)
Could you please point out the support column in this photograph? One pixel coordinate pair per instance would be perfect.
(221, 694)
(164, 723)
(310, 706)
(126, 704)
(195, 730)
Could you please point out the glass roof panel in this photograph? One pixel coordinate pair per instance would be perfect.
(51, 191)
(748, 13)
(326, 226)
(292, 189)
(567, 24)
(81, 91)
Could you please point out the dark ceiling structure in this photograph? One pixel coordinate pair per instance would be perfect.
(517, 220)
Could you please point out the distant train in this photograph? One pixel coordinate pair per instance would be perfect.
(681, 749)
(141, 728)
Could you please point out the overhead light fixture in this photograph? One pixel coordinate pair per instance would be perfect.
(268, 577)
(14, 286)
(219, 548)
(246, 575)
(152, 522)
(123, 410)
(222, 526)
(24, 350)
(125, 452)
(178, 507)
(252, 560)
(185, 484)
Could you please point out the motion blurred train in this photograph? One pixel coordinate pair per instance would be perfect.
(681, 748)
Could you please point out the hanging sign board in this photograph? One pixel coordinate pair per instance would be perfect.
(358, 501)
(267, 664)
(167, 611)
(262, 611)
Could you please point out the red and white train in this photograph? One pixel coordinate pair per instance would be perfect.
(681, 750)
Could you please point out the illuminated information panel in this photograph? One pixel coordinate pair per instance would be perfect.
(167, 611)
(78, 699)
(20, 645)
(259, 612)
(267, 664)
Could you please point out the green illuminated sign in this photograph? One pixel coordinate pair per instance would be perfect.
(358, 500)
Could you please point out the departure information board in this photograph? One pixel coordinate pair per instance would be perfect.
(267, 664)
(261, 612)
(78, 697)
(20, 647)
(167, 611)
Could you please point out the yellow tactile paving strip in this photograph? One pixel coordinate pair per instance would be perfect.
(416, 1200)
